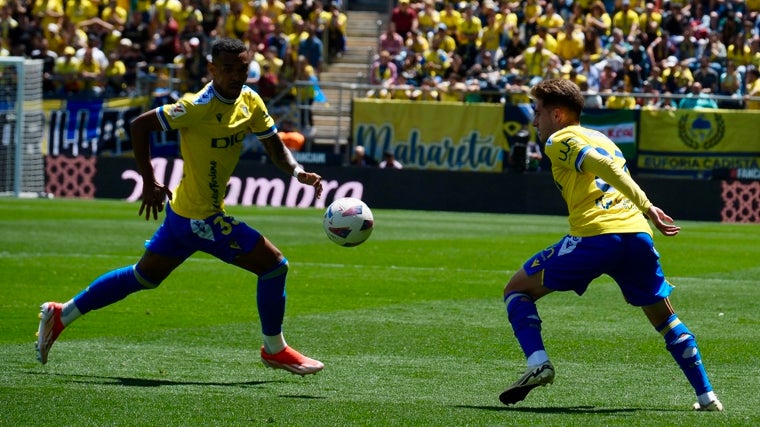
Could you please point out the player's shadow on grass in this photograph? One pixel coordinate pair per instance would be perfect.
(555, 410)
(153, 382)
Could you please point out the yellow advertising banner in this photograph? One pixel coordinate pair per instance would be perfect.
(433, 135)
(697, 142)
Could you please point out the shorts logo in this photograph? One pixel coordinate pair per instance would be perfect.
(176, 111)
(201, 229)
(568, 245)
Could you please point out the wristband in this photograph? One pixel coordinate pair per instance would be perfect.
(296, 171)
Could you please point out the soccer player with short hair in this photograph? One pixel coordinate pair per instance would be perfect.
(609, 234)
(212, 124)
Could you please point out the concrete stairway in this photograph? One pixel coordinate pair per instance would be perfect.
(332, 120)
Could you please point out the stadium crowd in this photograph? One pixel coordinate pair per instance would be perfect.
(108, 47)
(622, 53)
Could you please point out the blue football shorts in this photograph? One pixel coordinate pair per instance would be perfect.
(629, 258)
(219, 235)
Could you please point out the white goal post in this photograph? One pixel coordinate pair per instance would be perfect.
(22, 126)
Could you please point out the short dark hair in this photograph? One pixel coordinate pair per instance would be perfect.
(227, 45)
(559, 93)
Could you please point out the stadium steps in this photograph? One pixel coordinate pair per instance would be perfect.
(332, 120)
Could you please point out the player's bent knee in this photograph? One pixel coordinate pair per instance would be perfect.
(510, 296)
(144, 280)
(278, 270)
(521, 311)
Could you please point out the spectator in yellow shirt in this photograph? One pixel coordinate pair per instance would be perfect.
(289, 20)
(66, 71)
(451, 18)
(436, 60)
(627, 20)
(599, 20)
(550, 42)
(506, 17)
(48, 12)
(535, 59)
(273, 8)
(469, 30)
(91, 74)
(78, 10)
(444, 41)
(550, 19)
(493, 34)
(237, 23)
(532, 10)
(621, 99)
(753, 88)
(114, 14)
(570, 42)
(676, 76)
(114, 76)
(650, 18)
(162, 9)
(739, 51)
(428, 18)
(417, 43)
(337, 27)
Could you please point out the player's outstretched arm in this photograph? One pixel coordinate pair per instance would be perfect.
(154, 194)
(662, 221)
(613, 174)
(283, 159)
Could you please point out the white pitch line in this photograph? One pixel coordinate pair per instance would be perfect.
(295, 264)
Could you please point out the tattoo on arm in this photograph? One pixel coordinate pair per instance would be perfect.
(279, 153)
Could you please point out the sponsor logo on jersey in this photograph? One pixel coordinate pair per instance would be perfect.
(228, 141)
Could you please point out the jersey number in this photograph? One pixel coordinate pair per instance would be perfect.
(225, 224)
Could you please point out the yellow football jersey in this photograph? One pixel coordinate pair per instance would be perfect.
(211, 131)
(594, 206)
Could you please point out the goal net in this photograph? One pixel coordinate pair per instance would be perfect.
(22, 123)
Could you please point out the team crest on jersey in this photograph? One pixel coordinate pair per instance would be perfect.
(701, 131)
(176, 111)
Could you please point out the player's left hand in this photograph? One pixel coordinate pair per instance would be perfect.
(313, 179)
(153, 199)
(662, 221)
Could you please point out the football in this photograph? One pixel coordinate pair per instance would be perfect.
(348, 221)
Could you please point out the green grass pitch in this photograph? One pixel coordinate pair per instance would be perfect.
(410, 325)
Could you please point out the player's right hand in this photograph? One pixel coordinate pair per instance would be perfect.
(662, 221)
(153, 199)
(313, 179)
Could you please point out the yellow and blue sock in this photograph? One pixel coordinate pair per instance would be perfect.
(682, 345)
(523, 316)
